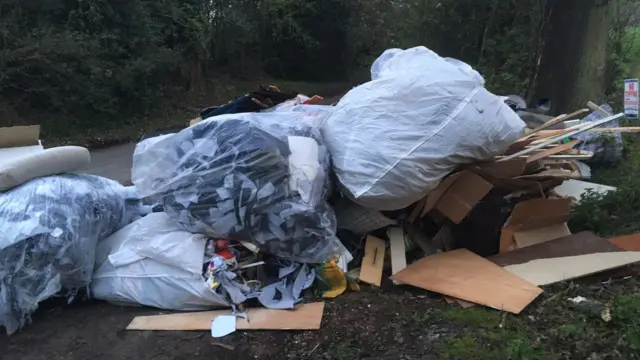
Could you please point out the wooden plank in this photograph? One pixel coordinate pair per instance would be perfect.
(627, 242)
(581, 243)
(583, 128)
(371, 268)
(557, 120)
(595, 107)
(398, 252)
(467, 276)
(303, 317)
(550, 271)
(536, 236)
(554, 150)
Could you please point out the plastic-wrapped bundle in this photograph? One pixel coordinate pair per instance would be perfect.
(260, 177)
(49, 228)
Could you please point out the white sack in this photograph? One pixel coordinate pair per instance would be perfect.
(394, 138)
(58, 160)
(152, 262)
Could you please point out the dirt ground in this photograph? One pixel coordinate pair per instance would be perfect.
(376, 323)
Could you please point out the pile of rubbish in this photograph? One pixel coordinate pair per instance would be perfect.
(273, 193)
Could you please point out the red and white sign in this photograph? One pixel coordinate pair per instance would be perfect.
(631, 98)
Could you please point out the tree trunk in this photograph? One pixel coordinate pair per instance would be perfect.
(573, 64)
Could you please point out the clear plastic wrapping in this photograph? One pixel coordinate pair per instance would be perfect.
(49, 228)
(260, 177)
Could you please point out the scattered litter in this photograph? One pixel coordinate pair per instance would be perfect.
(592, 307)
(223, 326)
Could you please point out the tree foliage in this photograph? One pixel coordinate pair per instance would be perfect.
(83, 58)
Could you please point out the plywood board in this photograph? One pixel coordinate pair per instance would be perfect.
(303, 317)
(554, 150)
(582, 243)
(14, 136)
(371, 268)
(463, 196)
(627, 242)
(467, 276)
(550, 271)
(536, 236)
(398, 252)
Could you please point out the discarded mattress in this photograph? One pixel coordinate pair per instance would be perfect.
(49, 228)
(152, 262)
(248, 177)
(394, 138)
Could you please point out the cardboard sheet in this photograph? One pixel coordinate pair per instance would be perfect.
(467, 276)
(533, 214)
(434, 196)
(550, 271)
(463, 195)
(19, 141)
(536, 236)
(303, 317)
(371, 268)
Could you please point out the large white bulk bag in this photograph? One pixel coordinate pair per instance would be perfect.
(395, 137)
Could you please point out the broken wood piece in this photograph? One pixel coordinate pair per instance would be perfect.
(303, 317)
(550, 271)
(195, 121)
(467, 276)
(373, 261)
(582, 128)
(555, 150)
(314, 100)
(397, 248)
(595, 107)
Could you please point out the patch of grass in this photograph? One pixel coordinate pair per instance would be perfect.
(343, 351)
(626, 314)
(475, 317)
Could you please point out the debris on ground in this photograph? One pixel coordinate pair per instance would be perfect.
(420, 176)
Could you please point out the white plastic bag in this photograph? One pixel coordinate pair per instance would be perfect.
(152, 262)
(394, 138)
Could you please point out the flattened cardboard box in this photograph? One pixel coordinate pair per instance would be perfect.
(19, 141)
(535, 221)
